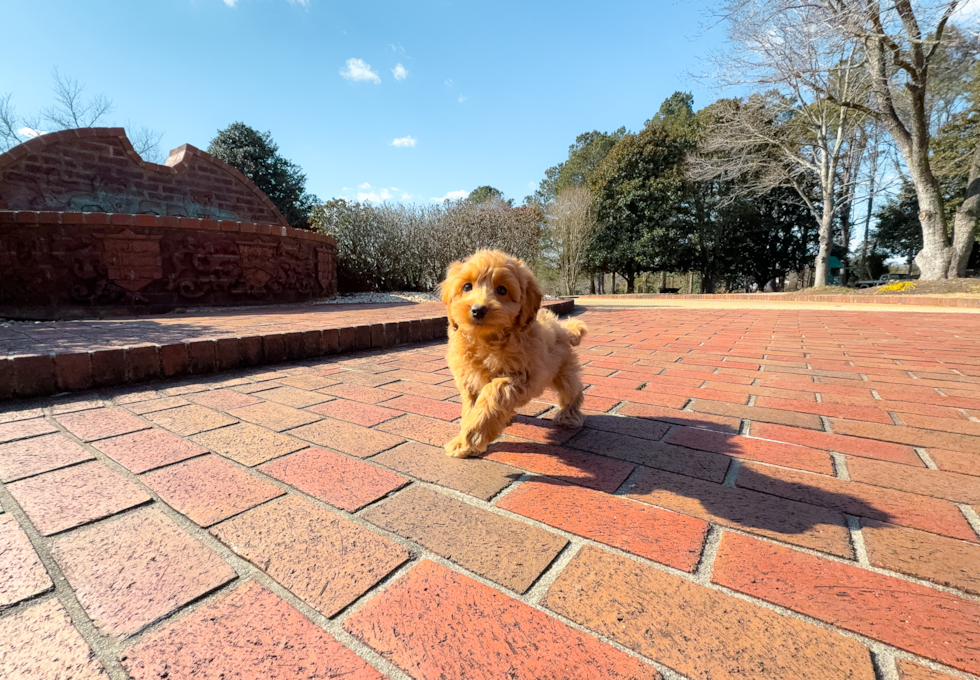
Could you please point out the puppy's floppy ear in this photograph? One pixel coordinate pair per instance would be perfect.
(446, 288)
(530, 296)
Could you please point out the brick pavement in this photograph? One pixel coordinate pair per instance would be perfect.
(756, 494)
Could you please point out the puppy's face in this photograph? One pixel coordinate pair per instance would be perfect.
(489, 292)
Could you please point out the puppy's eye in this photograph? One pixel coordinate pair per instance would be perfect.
(467, 287)
(501, 290)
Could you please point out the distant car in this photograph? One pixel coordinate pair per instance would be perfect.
(882, 280)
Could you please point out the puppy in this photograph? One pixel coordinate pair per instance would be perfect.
(504, 350)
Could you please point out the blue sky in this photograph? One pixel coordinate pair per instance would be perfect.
(486, 93)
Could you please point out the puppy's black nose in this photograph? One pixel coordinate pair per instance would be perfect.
(478, 311)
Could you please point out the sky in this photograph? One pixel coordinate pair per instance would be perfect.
(373, 100)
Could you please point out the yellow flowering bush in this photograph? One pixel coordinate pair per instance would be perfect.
(897, 287)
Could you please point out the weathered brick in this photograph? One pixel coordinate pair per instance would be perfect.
(443, 410)
(688, 418)
(21, 573)
(148, 449)
(343, 482)
(658, 535)
(638, 396)
(307, 382)
(913, 671)
(248, 632)
(188, 420)
(361, 393)
(162, 404)
(173, 359)
(577, 467)
(956, 461)
(758, 513)
(347, 437)
(463, 629)
(40, 454)
(142, 363)
(101, 423)
(209, 489)
(941, 560)
(355, 412)
(40, 643)
(915, 618)
(321, 557)
(475, 477)
(865, 448)
(907, 435)
(223, 399)
(855, 498)
(274, 416)
(34, 375)
(697, 631)
(700, 464)
(754, 413)
(133, 570)
(108, 367)
(291, 396)
(871, 414)
(425, 430)
(248, 444)
(73, 496)
(501, 549)
(74, 370)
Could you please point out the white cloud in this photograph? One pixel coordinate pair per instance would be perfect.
(406, 197)
(532, 185)
(358, 70)
(374, 196)
(302, 3)
(366, 185)
(462, 99)
(230, 3)
(30, 133)
(400, 72)
(452, 195)
(403, 141)
(449, 82)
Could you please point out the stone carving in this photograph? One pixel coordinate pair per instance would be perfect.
(132, 261)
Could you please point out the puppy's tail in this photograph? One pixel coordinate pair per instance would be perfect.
(576, 331)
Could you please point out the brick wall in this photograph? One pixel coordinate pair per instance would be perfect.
(97, 170)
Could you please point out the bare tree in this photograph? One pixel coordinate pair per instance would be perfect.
(71, 109)
(571, 227)
(793, 134)
(902, 46)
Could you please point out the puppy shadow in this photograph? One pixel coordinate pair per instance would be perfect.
(628, 456)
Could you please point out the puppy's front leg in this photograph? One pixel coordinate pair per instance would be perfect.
(467, 397)
(486, 419)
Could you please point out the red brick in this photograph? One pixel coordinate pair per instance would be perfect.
(248, 444)
(758, 390)
(74, 370)
(19, 411)
(173, 359)
(188, 420)
(871, 414)
(958, 425)
(437, 392)
(162, 404)
(498, 548)
(223, 400)
(108, 367)
(569, 465)
(907, 435)
(248, 633)
(595, 403)
(73, 496)
(355, 412)
(308, 382)
(274, 416)
(941, 560)
(896, 406)
(915, 618)
(912, 671)
(697, 631)
(802, 524)
(854, 446)
(689, 418)
(429, 378)
(622, 380)
(949, 485)
(41, 454)
(358, 377)
(700, 464)
(40, 643)
(366, 395)
(956, 461)
(658, 535)
(343, 482)
(443, 410)
(324, 559)
(754, 413)
(775, 453)
(634, 427)
(101, 423)
(209, 489)
(142, 363)
(21, 573)
(347, 437)
(34, 375)
(463, 629)
(425, 430)
(148, 449)
(637, 396)
(475, 476)
(855, 498)
(539, 429)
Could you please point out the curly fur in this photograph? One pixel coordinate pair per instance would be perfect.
(509, 356)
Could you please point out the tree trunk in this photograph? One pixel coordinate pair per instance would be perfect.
(630, 278)
(965, 221)
(707, 284)
(934, 260)
(690, 283)
(661, 281)
(821, 271)
(592, 283)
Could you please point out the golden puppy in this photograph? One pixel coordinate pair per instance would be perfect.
(504, 350)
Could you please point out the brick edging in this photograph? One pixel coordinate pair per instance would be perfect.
(916, 300)
(39, 375)
(27, 217)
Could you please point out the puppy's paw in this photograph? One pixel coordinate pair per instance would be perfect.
(569, 418)
(460, 448)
